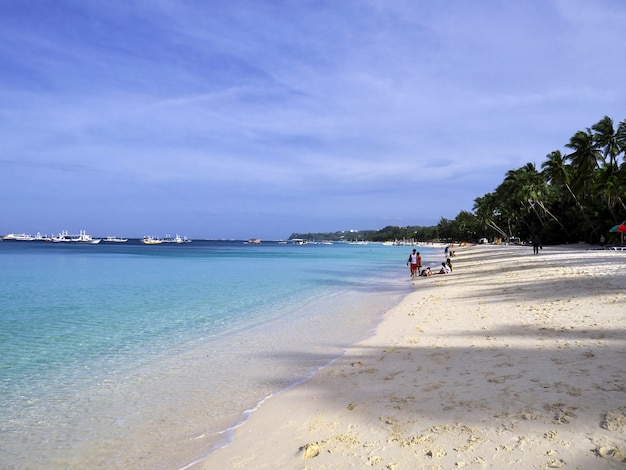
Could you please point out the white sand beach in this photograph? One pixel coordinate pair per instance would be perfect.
(514, 360)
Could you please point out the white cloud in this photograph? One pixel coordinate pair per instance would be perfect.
(342, 107)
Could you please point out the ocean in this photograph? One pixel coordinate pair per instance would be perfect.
(124, 355)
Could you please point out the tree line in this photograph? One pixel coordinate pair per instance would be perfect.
(574, 197)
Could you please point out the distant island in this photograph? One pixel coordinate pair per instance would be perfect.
(386, 234)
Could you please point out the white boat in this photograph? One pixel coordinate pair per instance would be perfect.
(84, 237)
(41, 238)
(115, 240)
(176, 239)
(20, 237)
(62, 237)
(151, 241)
(253, 241)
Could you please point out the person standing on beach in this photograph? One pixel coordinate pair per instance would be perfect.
(419, 263)
(536, 245)
(412, 261)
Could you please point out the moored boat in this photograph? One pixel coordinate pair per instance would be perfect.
(151, 241)
(41, 238)
(62, 237)
(115, 240)
(176, 239)
(84, 237)
(19, 237)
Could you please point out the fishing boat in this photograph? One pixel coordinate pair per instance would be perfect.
(115, 240)
(176, 239)
(84, 237)
(62, 237)
(41, 238)
(151, 241)
(19, 237)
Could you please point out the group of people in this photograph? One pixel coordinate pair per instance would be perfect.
(415, 264)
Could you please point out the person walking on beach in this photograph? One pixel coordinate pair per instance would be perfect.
(412, 261)
(536, 245)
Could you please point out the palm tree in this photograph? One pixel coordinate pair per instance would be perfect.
(609, 179)
(488, 212)
(592, 175)
(606, 139)
(528, 187)
(558, 173)
(610, 182)
(620, 138)
(584, 159)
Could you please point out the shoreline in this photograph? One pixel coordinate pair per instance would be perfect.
(166, 399)
(501, 362)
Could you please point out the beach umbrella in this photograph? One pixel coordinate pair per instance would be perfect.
(620, 228)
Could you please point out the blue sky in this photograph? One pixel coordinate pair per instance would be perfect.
(241, 119)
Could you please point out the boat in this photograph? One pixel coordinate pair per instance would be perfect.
(254, 241)
(84, 237)
(151, 241)
(41, 238)
(62, 237)
(115, 240)
(176, 239)
(299, 241)
(18, 237)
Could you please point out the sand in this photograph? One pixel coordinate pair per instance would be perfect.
(514, 359)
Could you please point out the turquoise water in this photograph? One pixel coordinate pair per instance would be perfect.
(133, 356)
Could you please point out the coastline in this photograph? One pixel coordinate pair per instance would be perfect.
(146, 360)
(514, 359)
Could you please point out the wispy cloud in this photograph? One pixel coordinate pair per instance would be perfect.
(328, 108)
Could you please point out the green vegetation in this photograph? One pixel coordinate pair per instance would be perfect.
(388, 233)
(575, 197)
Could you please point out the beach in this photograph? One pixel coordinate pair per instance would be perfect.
(514, 360)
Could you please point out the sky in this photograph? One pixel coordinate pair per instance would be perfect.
(244, 119)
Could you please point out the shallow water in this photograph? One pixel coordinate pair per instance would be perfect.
(133, 356)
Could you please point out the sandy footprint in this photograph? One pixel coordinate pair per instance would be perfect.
(563, 414)
(611, 451)
(615, 420)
